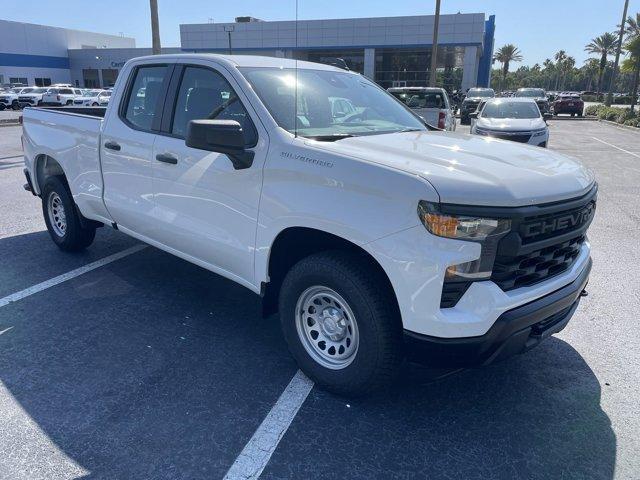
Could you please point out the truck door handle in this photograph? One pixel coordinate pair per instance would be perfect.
(112, 146)
(166, 158)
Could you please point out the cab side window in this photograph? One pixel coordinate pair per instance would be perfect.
(205, 94)
(142, 99)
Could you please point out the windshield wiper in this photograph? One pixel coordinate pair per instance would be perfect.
(329, 137)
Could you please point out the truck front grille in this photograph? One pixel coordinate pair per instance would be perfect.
(514, 137)
(542, 244)
(511, 272)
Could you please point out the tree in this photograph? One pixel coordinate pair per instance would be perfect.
(633, 62)
(604, 45)
(505, 55)
(559, 57)
(565, 68)
(590, 70)
(632, 28)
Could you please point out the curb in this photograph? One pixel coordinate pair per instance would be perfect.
(9, 123)
(618, 125)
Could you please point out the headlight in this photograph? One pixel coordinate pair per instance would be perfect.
(485, 231)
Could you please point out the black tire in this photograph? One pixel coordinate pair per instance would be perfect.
(2, 107)
(74, 237)
(15, 105)
(69, 102)
(368, 296)
(39, 103)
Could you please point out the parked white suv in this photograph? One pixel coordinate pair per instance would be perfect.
(9, 99)
(31, 97)
(375, 238)
(516, 118)
(61, 96)
(93, 98)
(432, 104)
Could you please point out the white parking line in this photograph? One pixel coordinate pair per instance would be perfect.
(14, 297)
(5, 330)
(615, 146)
(258, 450)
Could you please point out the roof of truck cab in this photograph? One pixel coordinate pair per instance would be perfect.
(244, 61)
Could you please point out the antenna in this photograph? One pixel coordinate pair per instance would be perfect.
(295, 97)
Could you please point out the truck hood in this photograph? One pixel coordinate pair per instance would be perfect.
(510, 124)
(472, 170)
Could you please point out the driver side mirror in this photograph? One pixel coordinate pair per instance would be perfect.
(547, 116)
(473, 115)
(222, 136)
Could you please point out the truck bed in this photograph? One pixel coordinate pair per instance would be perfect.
(86, 111)
(69, 136)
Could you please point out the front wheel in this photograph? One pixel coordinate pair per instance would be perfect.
(15, 105)
(341, 322)
(62, 218)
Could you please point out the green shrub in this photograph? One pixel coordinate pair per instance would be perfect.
(633, 122)
(592, 110)
(608, 113)
(624, 100)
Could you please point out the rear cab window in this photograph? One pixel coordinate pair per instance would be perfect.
(142, 103)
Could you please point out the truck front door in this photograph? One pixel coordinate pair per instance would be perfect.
(205, 208)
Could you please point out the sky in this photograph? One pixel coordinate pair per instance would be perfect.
(538, 28)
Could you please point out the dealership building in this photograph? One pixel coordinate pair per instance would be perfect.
(393, 51)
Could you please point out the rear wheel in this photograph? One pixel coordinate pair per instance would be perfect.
(62, 218)
(340, 322)
(69, 102)
(15, 105)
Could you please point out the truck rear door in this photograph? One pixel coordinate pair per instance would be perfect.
(127, 148)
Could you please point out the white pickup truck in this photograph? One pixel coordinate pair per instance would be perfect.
(376, 238)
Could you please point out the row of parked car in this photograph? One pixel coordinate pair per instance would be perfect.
(55, 95)
(521, 117)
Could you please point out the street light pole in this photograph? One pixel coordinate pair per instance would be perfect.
(229, 29)
(155, 28)
(434, 47)
(618, 49)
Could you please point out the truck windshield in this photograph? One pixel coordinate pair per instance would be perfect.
(481, 92)
(331, 104)
(510, 110)
(532, 93)
(420, 99)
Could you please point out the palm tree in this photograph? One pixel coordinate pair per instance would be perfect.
(565, 67)
(559, 57)
(632, 28)
(633, 62)
(591, 66)
(505, 55)
(604, 45)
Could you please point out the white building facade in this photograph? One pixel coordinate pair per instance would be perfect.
(393, 51)
(39, 55)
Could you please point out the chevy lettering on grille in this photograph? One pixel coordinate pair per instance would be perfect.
(569, 221)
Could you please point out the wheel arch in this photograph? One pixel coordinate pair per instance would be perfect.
(295, 243)
(46, 166)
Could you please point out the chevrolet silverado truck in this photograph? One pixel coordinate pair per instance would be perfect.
(375, 237)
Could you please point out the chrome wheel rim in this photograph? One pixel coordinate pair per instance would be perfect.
(327, 327)
(57, 216)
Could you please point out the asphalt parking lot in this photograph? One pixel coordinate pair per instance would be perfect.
(150, 367)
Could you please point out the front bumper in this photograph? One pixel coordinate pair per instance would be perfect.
(515, 331)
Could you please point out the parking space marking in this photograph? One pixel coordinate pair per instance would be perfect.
(5, 330)
(14, 297)
(258, 450)
(615, 146)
